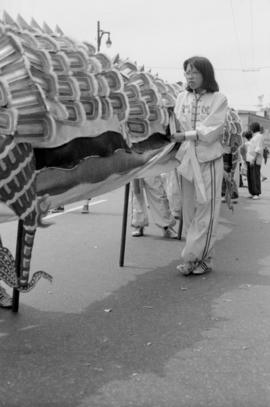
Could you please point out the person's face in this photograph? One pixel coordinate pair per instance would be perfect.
(194, 77)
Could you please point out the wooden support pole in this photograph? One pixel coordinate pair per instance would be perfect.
(179, 183)
(180, 226)
(16, 293)
(124, 226)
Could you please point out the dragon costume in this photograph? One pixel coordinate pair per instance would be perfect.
(73, 124)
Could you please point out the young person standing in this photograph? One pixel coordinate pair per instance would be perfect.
(201, 112)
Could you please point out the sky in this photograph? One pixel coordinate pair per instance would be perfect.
(233, 34)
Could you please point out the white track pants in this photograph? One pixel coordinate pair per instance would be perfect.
(172, 185)
(201, 220)
(153, 187)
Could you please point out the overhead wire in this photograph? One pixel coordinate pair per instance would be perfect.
(253, 69)
(244, 78)
(252, 33)
(236, 34)
(255, 82)
(243, 67)
(247, 64)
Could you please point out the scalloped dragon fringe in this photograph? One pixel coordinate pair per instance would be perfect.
(17, 190)
(50, 83)
(47, 80)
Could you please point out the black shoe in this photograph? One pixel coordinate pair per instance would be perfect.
(137, 232)
(58, 209)
(85, 209)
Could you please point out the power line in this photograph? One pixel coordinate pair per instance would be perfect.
(243, 77)
(243, 69)
(251, 32)
(236, 34)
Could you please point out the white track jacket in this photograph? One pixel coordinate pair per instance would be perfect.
(202, 117)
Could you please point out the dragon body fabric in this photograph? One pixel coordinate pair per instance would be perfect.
(74, 124)
(232, 141)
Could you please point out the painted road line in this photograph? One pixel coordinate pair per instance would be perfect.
(74, 209)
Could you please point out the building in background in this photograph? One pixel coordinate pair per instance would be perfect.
(262, 117)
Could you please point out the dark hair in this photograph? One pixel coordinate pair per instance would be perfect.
(255, 127)
(204, 66)
(247, 134)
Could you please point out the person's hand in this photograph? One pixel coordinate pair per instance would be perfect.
(178, 137)
(251, 163)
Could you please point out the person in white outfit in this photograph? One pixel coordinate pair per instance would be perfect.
(201, 112)
(152, 189)
(172, 185)
(254, 160)
(247, 135)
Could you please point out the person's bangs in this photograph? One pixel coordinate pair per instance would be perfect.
(204, 66)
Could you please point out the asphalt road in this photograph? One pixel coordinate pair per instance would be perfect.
(141, 336)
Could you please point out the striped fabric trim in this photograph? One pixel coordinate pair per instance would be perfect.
(204, 266)
(212, 210)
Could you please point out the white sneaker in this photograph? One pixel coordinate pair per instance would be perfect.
(202, 268)
(255, 197)
(185, 269)
(169, 233)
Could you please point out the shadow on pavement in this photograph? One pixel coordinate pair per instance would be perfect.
(59, 358)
